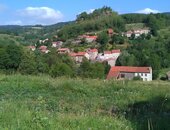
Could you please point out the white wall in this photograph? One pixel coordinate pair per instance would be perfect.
(145, 76)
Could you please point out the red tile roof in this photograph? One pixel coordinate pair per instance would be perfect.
(110, 31)
(107, 52)
(87, 36)
(113, 51)
(114, 71)
(63, 49)
(77, 54)
(116, 51)
(81, 53)
(91, 37)
(73, 54)
(43, 47)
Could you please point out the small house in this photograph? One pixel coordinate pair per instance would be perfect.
(78, 57)
(33, 48)
(110, 31)
(44, 49)
(63, 50)
(57, 44)
(88, 38)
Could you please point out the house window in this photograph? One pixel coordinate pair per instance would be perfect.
(145, 74)
(142, 74)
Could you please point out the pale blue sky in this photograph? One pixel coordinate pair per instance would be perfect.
(52, 11)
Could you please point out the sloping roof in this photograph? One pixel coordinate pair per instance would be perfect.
(116, 51)
(110, 31)
(81, 53)
(107, 52)
(63, 49)
(113, 51)
(77, 54)
(73, 54)
(43, 47)
(114, 71)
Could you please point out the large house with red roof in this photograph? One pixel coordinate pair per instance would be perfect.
(127, 72)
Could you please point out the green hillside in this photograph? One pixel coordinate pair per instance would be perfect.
(6, 39)
(135, 26)
(43, 103)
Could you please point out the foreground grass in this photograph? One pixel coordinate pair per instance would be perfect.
(31, 102)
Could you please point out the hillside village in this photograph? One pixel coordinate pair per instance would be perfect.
(104, 70)
(101, 44)
(93, 55)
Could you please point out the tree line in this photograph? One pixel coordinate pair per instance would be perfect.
(18, 59)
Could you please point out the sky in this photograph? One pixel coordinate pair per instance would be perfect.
(46, 12)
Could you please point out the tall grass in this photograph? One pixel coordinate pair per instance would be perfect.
(40, 102)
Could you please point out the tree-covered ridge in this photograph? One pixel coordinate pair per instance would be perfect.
(162, 19)
(97, 13)
(98, 20)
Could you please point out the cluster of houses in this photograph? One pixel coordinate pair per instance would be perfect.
(137, 32)
(42, 48)
(93, 55)
(116, 72)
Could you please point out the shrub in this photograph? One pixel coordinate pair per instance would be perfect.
(61, 69)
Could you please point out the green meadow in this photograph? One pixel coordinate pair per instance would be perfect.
(44, 103)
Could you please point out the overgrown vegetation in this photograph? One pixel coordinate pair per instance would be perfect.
(30, 102)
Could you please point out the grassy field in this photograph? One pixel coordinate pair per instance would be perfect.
(43, 103)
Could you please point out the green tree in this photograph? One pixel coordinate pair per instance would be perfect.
(3, 58)
(103, 39)
(118, 39)
(132, 36)
(97, 70)
(91, 70)
(13, 55)
(126, 59)
(60, 69)
(28, 63)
